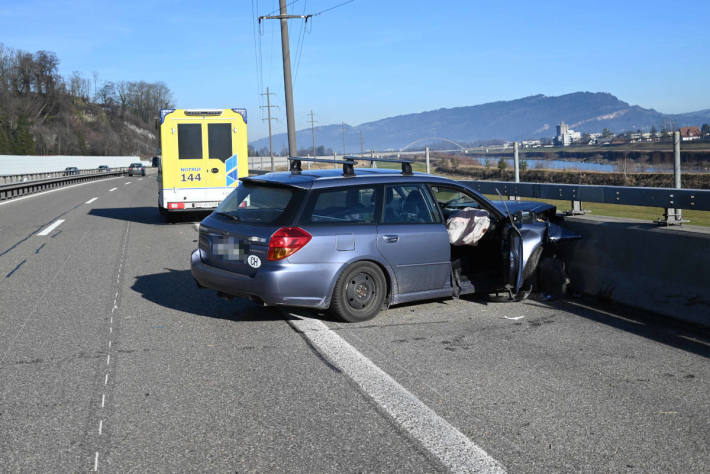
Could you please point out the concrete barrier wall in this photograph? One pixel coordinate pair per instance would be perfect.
(665, 270)
(21, 164)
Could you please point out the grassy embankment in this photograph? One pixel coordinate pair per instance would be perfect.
(701, 218)
(649, 214)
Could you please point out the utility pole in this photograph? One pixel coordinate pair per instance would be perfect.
(283, 17)
(342, 129)
(362, 148)
(313, 134)
(268, 108)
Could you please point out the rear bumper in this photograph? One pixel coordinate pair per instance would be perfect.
(306, 286)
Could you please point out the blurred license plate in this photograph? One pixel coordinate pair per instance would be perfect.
(206, 204)
(228, 248)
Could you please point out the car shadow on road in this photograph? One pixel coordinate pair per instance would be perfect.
(147, 215)
(681, 335)
(176, 289)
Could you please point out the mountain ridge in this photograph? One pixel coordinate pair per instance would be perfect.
(529, 117)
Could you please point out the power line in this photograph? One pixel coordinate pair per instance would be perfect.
(259, 81)
(313, 134)
(299, 46)
(268, 108)
(333, 7)
(287, 5)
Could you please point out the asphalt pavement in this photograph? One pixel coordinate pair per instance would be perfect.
(111, 359)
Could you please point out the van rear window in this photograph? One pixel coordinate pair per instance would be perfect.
(258, 204)
(189, 141)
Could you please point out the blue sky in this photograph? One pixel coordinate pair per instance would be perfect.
(372, 59)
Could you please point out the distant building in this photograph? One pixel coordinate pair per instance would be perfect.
(566, 136)
(688, 134)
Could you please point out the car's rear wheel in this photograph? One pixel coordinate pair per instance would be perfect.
(359, 292)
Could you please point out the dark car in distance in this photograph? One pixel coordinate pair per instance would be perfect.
(136, 169)
(71, 170)
(104, 169)
(358, 241)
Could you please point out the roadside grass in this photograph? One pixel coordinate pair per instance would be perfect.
(650, 214)
(700, 218)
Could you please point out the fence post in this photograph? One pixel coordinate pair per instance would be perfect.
(674, 216)
(516, 169)
(428, 168)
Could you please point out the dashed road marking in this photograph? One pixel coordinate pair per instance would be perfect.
(127, 182)
(91, 200)
(112, 189)
(451, 447)
(10, 201)
(51, 227)
(114, 307)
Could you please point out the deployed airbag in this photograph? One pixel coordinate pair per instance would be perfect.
(467, 226)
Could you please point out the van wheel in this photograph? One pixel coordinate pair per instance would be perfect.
(359, 292)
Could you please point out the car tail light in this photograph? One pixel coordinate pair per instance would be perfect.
(287, 241)
(176, 205)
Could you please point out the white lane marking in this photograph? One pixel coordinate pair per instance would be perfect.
(109, 344)
(112, 189)
(51, 227)
(140, 179)
(108, 359)
(106, 379)
(127, 182)
(441, 439)
(101, 425)
(10, 201)
(91, 200)
(103, 399)
(96, 462)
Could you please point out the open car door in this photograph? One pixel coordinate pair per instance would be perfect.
(512, 260)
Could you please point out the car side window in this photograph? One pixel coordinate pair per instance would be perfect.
(342, 206)
(408, 204)
(451, 199)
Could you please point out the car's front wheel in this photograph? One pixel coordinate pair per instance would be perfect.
(359, 292)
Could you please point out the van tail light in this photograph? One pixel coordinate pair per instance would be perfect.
(287, 241)
(176, 205)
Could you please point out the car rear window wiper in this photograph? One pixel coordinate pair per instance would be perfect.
(231, 216)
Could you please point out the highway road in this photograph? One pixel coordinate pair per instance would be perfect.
(111, 359)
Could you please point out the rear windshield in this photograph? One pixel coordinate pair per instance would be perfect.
(258, 204)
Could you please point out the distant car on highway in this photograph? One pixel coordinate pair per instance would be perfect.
(359, 240)
(71, 170)
(104, 169)
(136, 169)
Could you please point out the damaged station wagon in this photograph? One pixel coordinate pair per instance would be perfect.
(358, 240)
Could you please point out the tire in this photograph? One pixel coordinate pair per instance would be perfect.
(359, 292)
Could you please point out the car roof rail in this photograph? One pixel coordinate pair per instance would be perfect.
(295, 164)
(406, 164)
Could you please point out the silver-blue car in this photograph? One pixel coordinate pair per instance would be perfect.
(358, 240)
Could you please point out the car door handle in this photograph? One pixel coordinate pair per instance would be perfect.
(390, 238)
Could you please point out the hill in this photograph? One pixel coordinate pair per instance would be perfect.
(44, 113)
(527, 118)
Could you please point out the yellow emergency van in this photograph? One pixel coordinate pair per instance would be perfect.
(204, 153)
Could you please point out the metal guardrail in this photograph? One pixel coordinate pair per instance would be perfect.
(695, 199)
(25, 177)
(55, 180)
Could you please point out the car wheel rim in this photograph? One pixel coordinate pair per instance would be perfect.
(360, 290)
